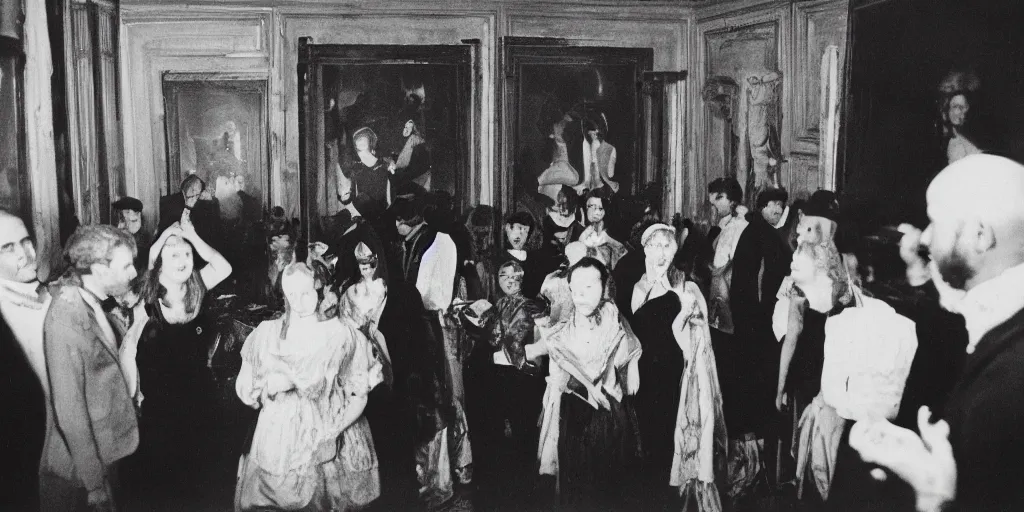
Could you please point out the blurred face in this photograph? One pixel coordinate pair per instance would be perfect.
(595, 210)
(563, 204)
(239, 182)
(510, 281)
(362, 144)
(17, 252)
(586, 289)
(300, 292)
(407, 130)
(660, 250)
(517, 235)
(947, 247)
(131, 221)
(367, 270)
(116, 277)
(192, 194)
(802, 268)
(403, 228)
(773, 212)
(958, 108)
(722, 204)
(345, 193)
(176, 261)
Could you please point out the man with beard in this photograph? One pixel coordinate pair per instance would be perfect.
(23, 305)
(975, 238)
(91, 423)
(518, 227)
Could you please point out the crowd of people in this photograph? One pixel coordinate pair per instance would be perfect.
(691, 365)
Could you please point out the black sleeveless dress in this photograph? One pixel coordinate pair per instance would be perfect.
(178, 429)
(661, 367)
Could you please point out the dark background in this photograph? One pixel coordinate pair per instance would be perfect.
(380, 103)
(550, 91)
(900, 51)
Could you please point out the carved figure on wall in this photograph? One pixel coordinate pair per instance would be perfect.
(762, 118)
(720, 94)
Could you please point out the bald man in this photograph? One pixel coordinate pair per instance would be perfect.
(976, 242)
(22, 366)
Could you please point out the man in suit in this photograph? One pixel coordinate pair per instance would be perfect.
(23, 303)
(91, 423)
(970, 461)
(204, 213)
(747, 270)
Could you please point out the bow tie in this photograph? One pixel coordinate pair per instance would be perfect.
(109, 304)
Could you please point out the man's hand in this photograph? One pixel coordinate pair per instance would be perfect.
(925, 462)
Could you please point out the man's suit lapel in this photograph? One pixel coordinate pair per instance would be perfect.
(991, 345)
(96, 331)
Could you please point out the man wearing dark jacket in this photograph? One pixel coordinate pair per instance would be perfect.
(747, 270)
(971, 460)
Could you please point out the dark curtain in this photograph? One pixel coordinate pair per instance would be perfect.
(900, 50)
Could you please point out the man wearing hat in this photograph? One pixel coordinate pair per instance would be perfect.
(128, 217)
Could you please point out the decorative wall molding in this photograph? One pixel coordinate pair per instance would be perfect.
(817, 25)
(262, 36)
(805, 29)
(760, 22)
(184, 40)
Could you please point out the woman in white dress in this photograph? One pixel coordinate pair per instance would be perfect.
(312, 448)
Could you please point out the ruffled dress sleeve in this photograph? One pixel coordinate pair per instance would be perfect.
(251, 379)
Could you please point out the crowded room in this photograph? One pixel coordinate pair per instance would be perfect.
(511, 255)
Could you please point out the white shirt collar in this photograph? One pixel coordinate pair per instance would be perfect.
(28, 288)
(991, 303)
(782, 220)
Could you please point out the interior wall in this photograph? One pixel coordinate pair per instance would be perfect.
(749, 37)
(262, 37)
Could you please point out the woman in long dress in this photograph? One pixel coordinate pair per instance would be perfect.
(589, 437)
(312, 448)
(405, 413)
(670, 319)
(165, 356)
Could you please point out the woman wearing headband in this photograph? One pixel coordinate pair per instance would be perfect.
(670, 320)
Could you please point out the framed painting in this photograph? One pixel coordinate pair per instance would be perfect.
(216, 125)
(572, 116)
(380, 121)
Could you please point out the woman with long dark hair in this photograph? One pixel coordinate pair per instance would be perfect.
(165, 356)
